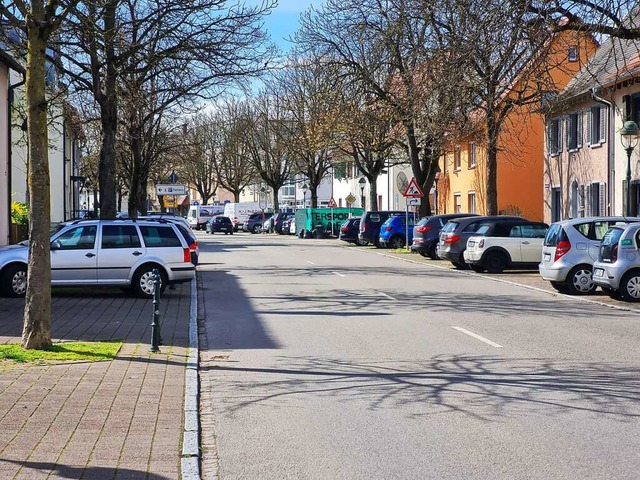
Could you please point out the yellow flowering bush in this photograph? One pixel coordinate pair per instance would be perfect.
(19, 213)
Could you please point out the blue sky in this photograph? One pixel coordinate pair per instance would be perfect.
(283, 21)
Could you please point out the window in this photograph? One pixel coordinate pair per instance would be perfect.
(533, 231)
(516, 231)
(120, 236)
(457, 158)
(596, 121)
(556, 205)
(574, 131)
(472, 155)
(573, 54)
(472, 202)
(289, 190)
(554, 136)
(457, 200)
(80, 238)
(160, 236)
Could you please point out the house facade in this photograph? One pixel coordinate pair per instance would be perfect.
(585, 160)
(462, 185)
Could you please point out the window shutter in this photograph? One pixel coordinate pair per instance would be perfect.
(589, 123)
(579, 130)
(626, 105)
(581, 201)
(603, 124)
(560, 124)
(568, 132)
(603, 200)
(587, 200)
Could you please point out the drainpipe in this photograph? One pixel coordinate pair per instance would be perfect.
(610, 148)
(11, 94)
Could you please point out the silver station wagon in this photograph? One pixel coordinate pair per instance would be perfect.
(120, 253)
(617, 270)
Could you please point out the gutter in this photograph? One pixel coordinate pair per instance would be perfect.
(611, 173)
(10, 98)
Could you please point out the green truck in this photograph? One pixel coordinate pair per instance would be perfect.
(315, 221)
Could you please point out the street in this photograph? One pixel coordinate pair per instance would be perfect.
(324, 360)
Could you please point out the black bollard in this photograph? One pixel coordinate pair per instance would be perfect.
(155, 324)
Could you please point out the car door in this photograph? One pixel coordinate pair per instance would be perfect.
(120, 250)
(74, 256)
(531, 242)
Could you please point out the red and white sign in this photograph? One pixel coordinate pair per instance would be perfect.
(332, 203)
(413, 190)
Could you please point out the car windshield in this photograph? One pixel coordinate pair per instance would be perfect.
(450, 227)
(554, 235)
(612, 236)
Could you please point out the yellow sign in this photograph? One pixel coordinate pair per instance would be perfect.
(169, 201)
(350, 199)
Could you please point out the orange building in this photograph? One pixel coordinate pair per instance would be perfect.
(462, 184)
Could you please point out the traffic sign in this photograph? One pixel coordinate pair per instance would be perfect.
(173, 178)
(169, 201)
(350, 199)
(414, 201)
(332, 203)
(171, 189)
(413, 190)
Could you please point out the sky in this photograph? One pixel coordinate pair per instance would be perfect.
(283, 21)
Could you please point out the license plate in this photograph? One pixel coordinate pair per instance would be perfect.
(547, 257)
(598, 272)
(471, 244)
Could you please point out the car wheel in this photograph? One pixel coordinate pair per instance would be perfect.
(495, 262)
(580, 281)
(613, 293)
(397, 242)
(424, 254)
(432, 251)
(476, 268)
(362, 243)
(630, 286)
(256, 229)
(14, 280)
(142, 283)
(560, 287)
(461, 264)
(230, 232)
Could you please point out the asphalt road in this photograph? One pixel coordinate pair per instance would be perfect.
(328, 362)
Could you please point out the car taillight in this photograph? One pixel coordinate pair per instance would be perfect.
(481, 243)
(186, 255)
(614, 252)
(235, 220)
(561, 249)
(344, 229)
(193, 247)
(423, 228)
(387, 229)
(364, 227)
(451, 240)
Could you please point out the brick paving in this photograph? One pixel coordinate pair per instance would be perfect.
(97, 420)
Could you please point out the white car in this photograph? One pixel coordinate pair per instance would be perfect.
(120, 253)
(501, 246)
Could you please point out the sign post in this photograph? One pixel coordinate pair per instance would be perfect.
(350, 199)
(332, 205)
(413, 194)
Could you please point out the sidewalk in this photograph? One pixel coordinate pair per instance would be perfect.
(95, 420)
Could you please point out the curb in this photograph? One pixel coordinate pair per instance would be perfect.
(190, 457)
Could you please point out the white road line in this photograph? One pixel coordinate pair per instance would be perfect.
(388, 296)
(310, 262)
(475, 335)
(339, 274)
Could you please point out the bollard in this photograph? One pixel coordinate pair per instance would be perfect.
(155, 323)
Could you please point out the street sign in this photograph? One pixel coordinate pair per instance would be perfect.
(169, 201)
(171, 189)
(413, 190)
(196, 203)
(414, 201)
(350, 199)
(332, 203)
(173, 178)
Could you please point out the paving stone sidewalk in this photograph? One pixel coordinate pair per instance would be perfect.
(97, 420)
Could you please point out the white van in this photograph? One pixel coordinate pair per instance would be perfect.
(239, 212)
(199, 215)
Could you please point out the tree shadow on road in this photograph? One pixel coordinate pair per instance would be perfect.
(76, 472)
(484, 387)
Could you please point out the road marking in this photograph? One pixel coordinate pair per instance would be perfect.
(339, 274)
(310, 262)
(476, 336)
(388, 296)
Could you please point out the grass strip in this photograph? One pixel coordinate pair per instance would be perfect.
(62, 352)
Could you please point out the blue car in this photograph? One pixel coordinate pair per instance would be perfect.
(393, 231)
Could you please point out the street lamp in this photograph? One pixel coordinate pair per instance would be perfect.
(304, 195)
(362, 182)
(629, 137)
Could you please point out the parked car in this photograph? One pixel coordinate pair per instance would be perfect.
(292, 225)
(183, 227)
(371, 222)
(286, 226)
(426, 233)
(617, 270)
(255, 221)
(499, 245)
(393, 232)
(349, 231)
(570, 249)
(120, 253)
(220, 223)
(456, 232)
(267, 226)
(278, 219)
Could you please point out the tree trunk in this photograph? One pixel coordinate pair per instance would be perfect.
(373, 195)
(36, 331)
(492, 164)
(236, 196)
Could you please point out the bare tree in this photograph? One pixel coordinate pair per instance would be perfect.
(196, 164)
(39, 20)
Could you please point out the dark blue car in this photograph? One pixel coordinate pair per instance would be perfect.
(393, 232)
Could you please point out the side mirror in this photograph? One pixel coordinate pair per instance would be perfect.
(55, 245)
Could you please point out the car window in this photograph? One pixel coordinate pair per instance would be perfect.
(483, 229)
(374, 217)
(450, 227)
(583, 228)
(160, 236)
(600, 228)
(120, 236)
(533, 231)
(612, 236)
(517, 231)
(187, 234)
(474, 226)
(78, 238)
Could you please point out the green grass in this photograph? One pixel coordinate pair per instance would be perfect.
(401, 250)
(60, 352)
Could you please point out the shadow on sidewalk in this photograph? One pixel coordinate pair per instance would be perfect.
(74, 472)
